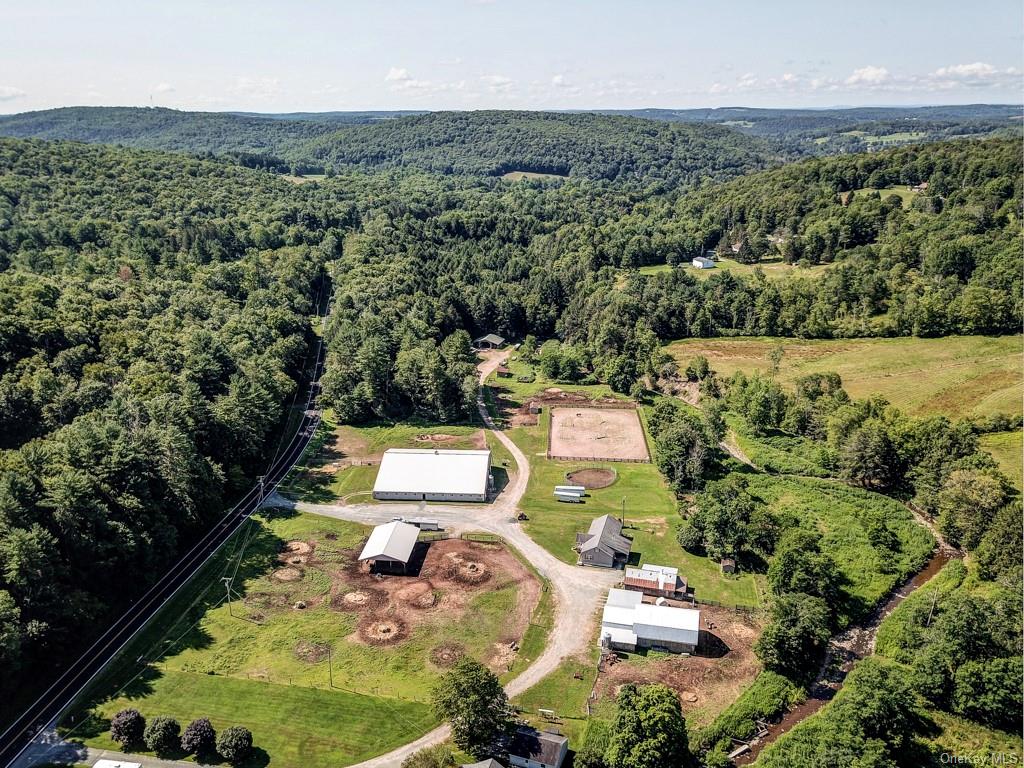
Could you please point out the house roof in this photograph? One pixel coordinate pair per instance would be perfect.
(392, 541)
(427, 470)
(605, 535)
(490, 338)
(488, 763)
(655, 577)
(626, 618)
(541, 746)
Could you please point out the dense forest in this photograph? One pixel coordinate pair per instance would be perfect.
(154, 322)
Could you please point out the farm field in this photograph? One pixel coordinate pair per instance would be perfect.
(956, 376)
(1006, 448)
(310, 629)
(773, 269)
(531, 175)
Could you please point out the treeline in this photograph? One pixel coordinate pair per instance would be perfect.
(154, 323)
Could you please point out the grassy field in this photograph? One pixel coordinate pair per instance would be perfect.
(520, 175)
(773, 269)
(956, 376)
(243, 663)
(1006, 448)
(904, 193)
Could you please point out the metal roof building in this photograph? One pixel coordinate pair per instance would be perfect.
(603, 544)
(427, 474)
(490, 341)
(391, 543)
(628, 623)
(657, 580)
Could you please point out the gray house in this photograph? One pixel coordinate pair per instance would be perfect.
(603, 545)
(490, 341)
(531, 748)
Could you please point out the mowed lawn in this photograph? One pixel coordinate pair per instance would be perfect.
(776, 269)
(245, 664)
(650, 512)
(957, 375)
(1007, 449)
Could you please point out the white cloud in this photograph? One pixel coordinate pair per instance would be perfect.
(977, 69)
(10, 93)
(497, 83)
(869, 75)
(257, 87)
(397, 75)
(163, 88)
(559, 81)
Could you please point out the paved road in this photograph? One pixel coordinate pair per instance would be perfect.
(32, 738)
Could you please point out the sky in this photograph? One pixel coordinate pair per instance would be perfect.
(314, 55)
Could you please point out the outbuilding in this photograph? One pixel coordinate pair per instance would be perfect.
(655, 580)
(390, 546)
(628, 624)
(490, 341)
(703, 262)
(431, 474)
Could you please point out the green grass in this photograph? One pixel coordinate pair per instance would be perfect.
(838, 512)
(780, 453)
(651, 517)
(520, 175)
(957, 375)
(564, 693)
(901, 191)
(768, 696)
(1006, 448)
(209, 659)
(777, 269)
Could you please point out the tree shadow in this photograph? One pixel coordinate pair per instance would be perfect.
(257, 758)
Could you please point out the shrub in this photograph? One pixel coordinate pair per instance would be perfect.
(127, 727)
(439, 756)
(235, 743)
(199, 737)
(162, 735)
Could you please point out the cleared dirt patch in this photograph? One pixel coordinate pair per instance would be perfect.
(446, 655)
(706, 683)
(592, 477)
(597, 433)
(382, 631)
(466, 570)
(360, 600)
(419, 594)
(311, 653)
(287, 574)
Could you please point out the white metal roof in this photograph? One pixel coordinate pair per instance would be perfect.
(115, 764)
(625, 616)
(619, 635)
(391, 541)
(667, 617)
(428, 470)
(624, 598)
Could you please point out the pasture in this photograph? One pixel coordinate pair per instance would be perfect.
(775, 269)
(956, 376)
(532, 176)
(1007, 448)
(312, 636)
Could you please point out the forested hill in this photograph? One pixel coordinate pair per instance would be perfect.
(479, 143)
(583, 145)
(154, 320)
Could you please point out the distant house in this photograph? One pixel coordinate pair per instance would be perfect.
(655, 580)
(390, 546)
(728, 565)
(531, 748)
(489, 763)
(703, 262)
(628, 624)
(922, 187)
(503, 372)
(490, 341)
(603, 545)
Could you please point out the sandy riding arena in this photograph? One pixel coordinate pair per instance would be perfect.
(612, 434)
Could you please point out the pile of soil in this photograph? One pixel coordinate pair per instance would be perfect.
(447, 654)
(466, 571)
(592, 477)
(418, 594)
(359, 600)
(311, 653)
(382, 631)
(287, 574)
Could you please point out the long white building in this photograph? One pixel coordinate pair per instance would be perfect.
(429, 474)
(628, 624)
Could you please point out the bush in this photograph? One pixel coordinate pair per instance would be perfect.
(595, 743)
(439, 756)
(162, 735)
(235, 743)
(199, 737)
(127, 727)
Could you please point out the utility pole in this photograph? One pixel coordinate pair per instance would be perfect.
(622, 517)
(330, 667)
(227, 589)
(261, 479)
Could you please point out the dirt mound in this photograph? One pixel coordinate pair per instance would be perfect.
(592, 477)
(287, 574)
(438, 438)
(447, 654)
(359, 600)
(298, 548)
(311, 653)
(502, 656)
(419, 594)
(465, 570)
(382, 631)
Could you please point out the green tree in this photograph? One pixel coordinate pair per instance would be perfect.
(162, 735)
(794, 643)
(649, 729)
(199, 737)
(127, 728)
(470, 697)
(439, 756)
(234, 744)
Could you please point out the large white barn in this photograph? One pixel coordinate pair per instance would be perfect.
(429, 474)
(628, 623)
